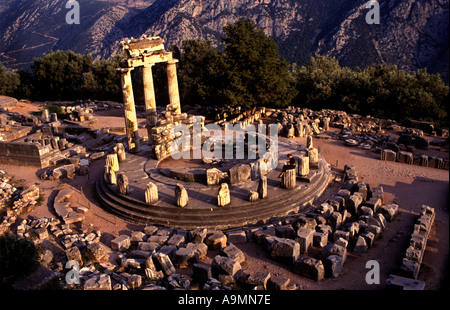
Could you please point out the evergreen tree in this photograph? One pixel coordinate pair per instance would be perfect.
(255, 73)
(9, 81)
(200, 72)
(60, 75)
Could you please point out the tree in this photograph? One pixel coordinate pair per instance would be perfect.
(18, 257)
(9, 81)
(255, 73)
(60, 75)
(200, 72)
(103, 80)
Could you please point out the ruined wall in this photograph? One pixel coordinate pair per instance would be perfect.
(26, 154)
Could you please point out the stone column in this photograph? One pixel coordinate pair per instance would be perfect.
(150, 99)
(223, 198)
(174, 96)
(303, 166)
(262, 187)
(289, 179)
(181, 196)
(131, 124)
(151, 193)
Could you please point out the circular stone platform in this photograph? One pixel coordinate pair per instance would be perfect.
(202, 210)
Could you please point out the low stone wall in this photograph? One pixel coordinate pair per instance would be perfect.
(414, 253)
(409, 158)
(26, 154)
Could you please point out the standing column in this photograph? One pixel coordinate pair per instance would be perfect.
(174, 96)
(131, 124)
(150, 100)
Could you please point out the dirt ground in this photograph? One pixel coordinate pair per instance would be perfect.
(409, 186)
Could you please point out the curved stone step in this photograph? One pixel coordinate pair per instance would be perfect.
(220, 218)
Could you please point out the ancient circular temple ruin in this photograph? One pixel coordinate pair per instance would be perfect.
(157, 183)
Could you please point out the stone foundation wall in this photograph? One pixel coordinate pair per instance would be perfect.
(26, 154)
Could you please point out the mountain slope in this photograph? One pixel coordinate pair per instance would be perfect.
(413, 33)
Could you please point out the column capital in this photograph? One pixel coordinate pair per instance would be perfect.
(172, 61)
(125, 70)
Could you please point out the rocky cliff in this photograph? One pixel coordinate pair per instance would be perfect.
(412, 34)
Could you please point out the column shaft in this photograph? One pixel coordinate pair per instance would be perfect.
(150, 99)
(131, 124)
(174, 96)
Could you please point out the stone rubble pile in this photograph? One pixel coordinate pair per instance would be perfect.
(15, 201)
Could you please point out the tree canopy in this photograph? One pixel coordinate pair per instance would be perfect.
(248, 72)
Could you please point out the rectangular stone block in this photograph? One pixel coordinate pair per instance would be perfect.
(305, 238)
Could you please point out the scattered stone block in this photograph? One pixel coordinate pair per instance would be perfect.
(239, 173)
(341, 234)
(389, 211)
(360, 246)
(320, 239)
(285, 250)
(161, 240)
(214, 176)
(74, 254)
(224, 265)
(305, 239)
(134, 281)
(41, 233)
(98, 282)
(375, 229)
(237, 237)
(396, 282)
(148, 246)
(381, 220)
(96, 252)
(121, 243)
(233, 252)
(310, 268)
(342, 242)
(335, 220)
(201, 273)
(278, 283)
(285, 231)
(150, 230)
(197, 235)
(176, 240)
(259, 278)
(183, 257)
(369, 237)
(216, 240)
(165, 263)
(352, 204)
(333, 266)
(333, 249)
